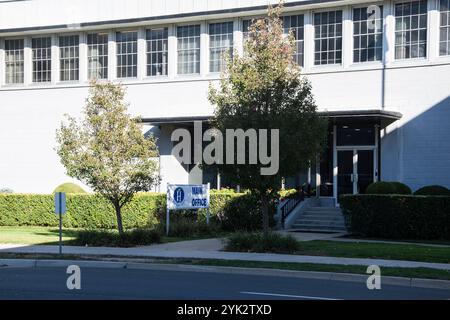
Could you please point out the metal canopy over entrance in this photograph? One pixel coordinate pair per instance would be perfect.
(351, 161)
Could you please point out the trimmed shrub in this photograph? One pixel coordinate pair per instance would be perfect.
(244, 213)
(233, 211)
(433, 191)
(401, 188)
(188, 228)
(385, 187)
(69, 187)
(105, 238)
(397, 216)
(258, 242)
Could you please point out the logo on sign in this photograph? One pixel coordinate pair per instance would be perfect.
(178, 195)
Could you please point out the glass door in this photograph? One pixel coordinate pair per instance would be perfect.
(345, 172)
(365, 170)
(355, 170)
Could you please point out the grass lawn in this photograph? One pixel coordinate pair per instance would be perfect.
(424, 273)
(50, 236)
(376, 251)
(35, 235)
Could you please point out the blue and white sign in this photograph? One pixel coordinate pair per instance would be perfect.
(60, 202)
(187, 196)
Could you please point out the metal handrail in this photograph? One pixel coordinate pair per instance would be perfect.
(290, 205)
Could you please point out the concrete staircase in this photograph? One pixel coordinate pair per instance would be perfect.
(320, 219)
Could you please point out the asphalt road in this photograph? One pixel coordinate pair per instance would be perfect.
(50, 283)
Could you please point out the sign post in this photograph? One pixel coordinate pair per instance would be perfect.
(60, 209)
(186, 196)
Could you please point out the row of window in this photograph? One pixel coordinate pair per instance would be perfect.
(410, 42)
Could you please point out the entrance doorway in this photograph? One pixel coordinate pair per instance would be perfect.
(355, 170)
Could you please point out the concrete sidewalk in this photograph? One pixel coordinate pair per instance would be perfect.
(162, 252)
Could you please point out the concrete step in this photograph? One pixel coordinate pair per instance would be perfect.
(324, 209)
(336, 220)
(324, 215)
(321, 223)
(318, 228)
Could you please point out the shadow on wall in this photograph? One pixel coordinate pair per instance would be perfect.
(417, 153)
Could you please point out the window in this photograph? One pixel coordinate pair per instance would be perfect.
(157, 52)
(411, 30)
(444, 41)
(69, 57)
(14, 61)
(245, 26)
(295, 24)
(126, 54)
(188, 49)
(355, 135)
(367, 35)
(220, 42)
(42, 59)
(328, 37)
(97, 55)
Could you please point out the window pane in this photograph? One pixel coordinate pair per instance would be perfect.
(444, 39)
(367, 28)
(157, 52)
(295, 24)
(41, 59)
(410, 29)
(126, 43)
(328, 26)
(69, 58)
(188, 49)
(14, 61)
(98, 55)
(220, 43)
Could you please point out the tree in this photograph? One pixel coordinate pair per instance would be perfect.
(263, 89)
(107, 150)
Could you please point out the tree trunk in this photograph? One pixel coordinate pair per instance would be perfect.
(119, 218)
(265, 212)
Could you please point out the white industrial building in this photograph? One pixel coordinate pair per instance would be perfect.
(386, 89)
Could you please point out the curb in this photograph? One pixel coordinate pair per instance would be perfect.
(333, 276)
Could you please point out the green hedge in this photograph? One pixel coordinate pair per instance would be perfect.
(434, 190)
(397, 216)
(146, 210)
(388, 187)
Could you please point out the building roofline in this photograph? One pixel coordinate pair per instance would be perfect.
(106, 23)
(391, 116)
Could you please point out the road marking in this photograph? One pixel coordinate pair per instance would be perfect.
(286, 295)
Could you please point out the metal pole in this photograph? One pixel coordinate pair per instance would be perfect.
(167, 222)
(60, 231)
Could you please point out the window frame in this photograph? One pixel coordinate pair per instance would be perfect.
(58, 38)
(313, 46)
(107, 56)
(183, 25)
(23, 62)
(447, 26)
(49, 59)
(427, 31)
(383, 32)
(302, 54)
(117, 66)
(147, 52)
(233, 46)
